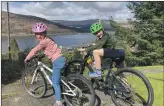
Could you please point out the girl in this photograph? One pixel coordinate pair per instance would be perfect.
(50, 49)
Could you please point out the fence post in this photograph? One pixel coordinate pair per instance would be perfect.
(8, 21)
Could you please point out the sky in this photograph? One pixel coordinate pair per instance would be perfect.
(72, 11)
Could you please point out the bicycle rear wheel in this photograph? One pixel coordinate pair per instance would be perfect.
(85, 94)
(136, 89)
(36, 89)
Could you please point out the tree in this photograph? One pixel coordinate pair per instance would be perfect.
(149, 28)
(126, 39)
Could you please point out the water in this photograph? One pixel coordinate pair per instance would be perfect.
(25, 42)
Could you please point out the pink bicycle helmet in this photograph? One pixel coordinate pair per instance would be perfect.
(39, 27)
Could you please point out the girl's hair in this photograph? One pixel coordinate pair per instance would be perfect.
(43, 33)
(50, 38)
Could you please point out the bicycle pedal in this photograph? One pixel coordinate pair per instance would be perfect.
(32, 91)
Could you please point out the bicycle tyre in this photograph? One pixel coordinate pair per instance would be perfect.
(150, 100)
(89, 85)
(24, 74)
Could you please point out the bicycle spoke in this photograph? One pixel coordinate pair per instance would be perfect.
(35, 89)
(83, 94)
(139, 88)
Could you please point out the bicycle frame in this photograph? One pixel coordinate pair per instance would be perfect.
(109, 74)
(42, 68)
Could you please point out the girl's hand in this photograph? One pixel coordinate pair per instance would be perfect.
(25, 61)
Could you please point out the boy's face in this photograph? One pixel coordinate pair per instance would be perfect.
(99, 34)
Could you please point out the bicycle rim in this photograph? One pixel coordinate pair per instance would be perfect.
(138, 89)
(38, 88)
(85, 95)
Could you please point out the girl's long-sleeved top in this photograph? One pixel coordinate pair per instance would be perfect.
(49, 47)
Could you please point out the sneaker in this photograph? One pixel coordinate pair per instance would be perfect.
(94, 74)
(56, 104)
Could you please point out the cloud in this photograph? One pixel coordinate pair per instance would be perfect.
(73, 10)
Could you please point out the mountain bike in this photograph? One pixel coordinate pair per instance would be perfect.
(127, 87)
(76, 89)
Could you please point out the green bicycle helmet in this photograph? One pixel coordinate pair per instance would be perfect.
(96, 27)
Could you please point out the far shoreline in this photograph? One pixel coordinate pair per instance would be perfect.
(28, 35)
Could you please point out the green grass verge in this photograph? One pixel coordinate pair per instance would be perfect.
(148, 68)
(157, 81)
(157, 87)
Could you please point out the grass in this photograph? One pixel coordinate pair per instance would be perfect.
(148, 68)
(158, 87)
(156, 80)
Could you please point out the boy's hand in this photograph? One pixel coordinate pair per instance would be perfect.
(81, 49)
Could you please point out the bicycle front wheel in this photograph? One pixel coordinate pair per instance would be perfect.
(131, 88)
(85, 94)
(35, 85)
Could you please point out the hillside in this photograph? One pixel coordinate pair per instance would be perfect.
(75, 23)
(21, 25)
(85, 24)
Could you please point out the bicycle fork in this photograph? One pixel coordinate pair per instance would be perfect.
(34, 76)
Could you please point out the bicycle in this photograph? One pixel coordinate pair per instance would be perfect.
(76, 89)
(117, 83)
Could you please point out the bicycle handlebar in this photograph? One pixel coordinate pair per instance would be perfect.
(39, 57)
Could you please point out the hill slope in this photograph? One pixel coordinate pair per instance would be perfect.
(21, 25)
(85, 24)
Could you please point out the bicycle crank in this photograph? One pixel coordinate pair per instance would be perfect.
(78, 92)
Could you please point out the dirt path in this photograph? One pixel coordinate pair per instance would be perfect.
(15, 95)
